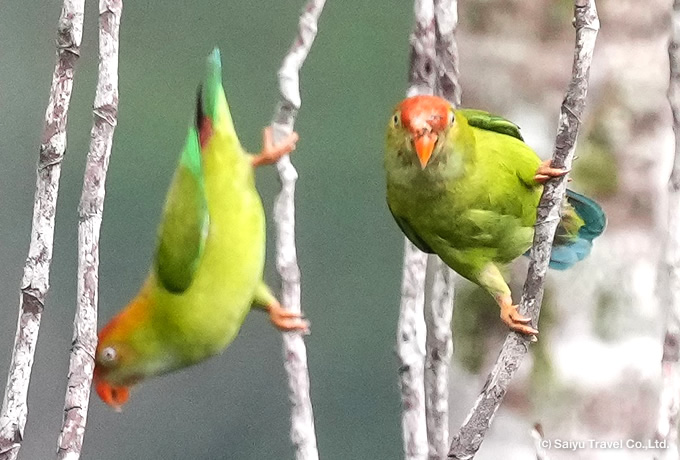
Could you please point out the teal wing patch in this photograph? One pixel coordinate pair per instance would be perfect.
(185, 223)
(485, 120)
(411, 234)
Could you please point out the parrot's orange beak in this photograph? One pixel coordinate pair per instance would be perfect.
(114, 396)
(424, 144)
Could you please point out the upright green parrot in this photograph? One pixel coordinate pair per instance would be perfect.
(207, 270)
(462, 184)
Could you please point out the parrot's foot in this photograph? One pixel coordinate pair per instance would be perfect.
(286, 320)
(513, 319)
(271, 153)
(546, 171)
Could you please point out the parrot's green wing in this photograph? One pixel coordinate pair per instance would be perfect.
(515, 154)
(184, 227)
(410, 233)
(485, 120)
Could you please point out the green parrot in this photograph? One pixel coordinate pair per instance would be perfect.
(462, 184)
(207, 270)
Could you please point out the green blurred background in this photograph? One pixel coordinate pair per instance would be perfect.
(515, 60)
(233, 406)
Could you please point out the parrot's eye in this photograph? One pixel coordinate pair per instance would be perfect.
(450, 117)
(395, 119)
(108, 356)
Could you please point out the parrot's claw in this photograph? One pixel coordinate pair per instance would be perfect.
(515, 321)
(546, 171)
(286, 320)
(271, 153)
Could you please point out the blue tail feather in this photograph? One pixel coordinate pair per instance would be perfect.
(565, 255)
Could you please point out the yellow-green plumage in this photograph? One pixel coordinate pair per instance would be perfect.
(207, 270)
(468, 209)
(471, 197)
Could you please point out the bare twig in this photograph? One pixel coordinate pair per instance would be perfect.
(90, 212)
(466, 443)
(302, 432)
(439, 349)
(669, 406)
(411, 351)
(411, 330)
(446, 20)
(35, 281)
(439, 342)
(422, 57)
(539, 442)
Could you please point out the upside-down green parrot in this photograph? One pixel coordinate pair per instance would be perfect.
(207, 270)
(462, 184)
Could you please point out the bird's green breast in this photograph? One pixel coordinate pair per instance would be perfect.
(474, 207)
(205, 318)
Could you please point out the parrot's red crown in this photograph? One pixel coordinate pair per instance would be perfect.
(425, 118)
(432, 110)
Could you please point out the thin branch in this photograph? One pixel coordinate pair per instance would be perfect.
(411, 351)
(439, 340)
(446, 21)
(35, 281)
(90, 211)
(669, 406)
(411, 330)
(439, 350)
(422, 57)
(302, 432)
(539, 442)
(466, 443)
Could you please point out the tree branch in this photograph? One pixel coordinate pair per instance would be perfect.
(439, 350)
(302, 432)
(422, 57)
(411, 330)
(81, 365)
(439, 339)
(411, 339)
(539, 439)
(35, 281)
(466, 443)
(446, 21)
(669, 406)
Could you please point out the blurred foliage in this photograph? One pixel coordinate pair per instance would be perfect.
(607, 311)
(477, 325)
(542, 372)
(595, 170)
(475, 320)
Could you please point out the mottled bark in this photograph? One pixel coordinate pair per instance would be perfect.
(468, 440)
(438, 314)
(669, 405)
(446, 23)
(422, 57)
(81, 365)
(35, 281)
(302, 431)
(411, 330)
(411, 339)
(438, 354)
